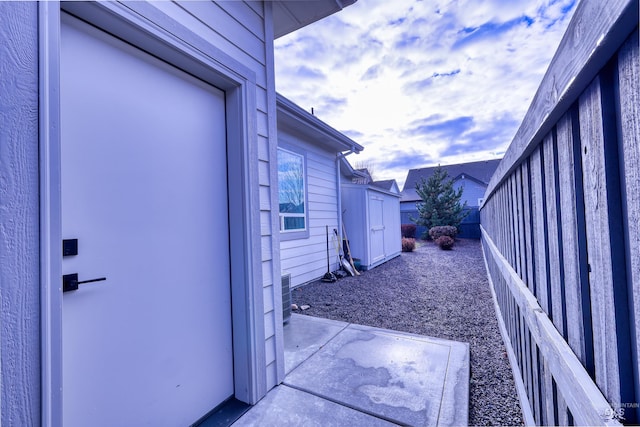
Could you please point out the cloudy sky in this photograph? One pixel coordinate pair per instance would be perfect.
(419, 83)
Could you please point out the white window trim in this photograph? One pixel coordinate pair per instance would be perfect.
(297, 233)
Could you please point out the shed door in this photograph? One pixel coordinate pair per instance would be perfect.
(376, 224)
(144, 190)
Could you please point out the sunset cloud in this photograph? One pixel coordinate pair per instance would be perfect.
(419, 83)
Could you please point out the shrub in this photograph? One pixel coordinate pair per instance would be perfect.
(445, 242)
(442, 230)
(408, 245)
(408, 231)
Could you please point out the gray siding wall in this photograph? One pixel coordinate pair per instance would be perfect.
(306, 259)
(19, 215)
(560, 228)
(472, 191)
(243, 31)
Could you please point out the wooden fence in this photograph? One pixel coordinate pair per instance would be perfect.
(561, 228)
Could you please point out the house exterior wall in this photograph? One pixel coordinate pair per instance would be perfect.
(19, 216)
(306, 258)
(472, 191)
(241, 30)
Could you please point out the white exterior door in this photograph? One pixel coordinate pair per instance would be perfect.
(144, 190)
(376, 224)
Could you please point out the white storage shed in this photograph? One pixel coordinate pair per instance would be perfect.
(371, 216)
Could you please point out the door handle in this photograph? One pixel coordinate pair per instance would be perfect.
(70, 282)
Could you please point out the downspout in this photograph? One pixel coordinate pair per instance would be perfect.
(339, 185)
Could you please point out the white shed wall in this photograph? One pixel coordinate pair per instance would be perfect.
(357, 219)
(356, 222)
(306, 259)
(393, 235)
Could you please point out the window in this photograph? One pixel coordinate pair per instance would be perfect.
(291, 191)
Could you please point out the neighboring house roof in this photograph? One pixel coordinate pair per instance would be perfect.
(289, 16)
(298, 122)
(362, 177)
(389, 185)
(480, 172)
(365, 177)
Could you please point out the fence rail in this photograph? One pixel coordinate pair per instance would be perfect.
(561, 227)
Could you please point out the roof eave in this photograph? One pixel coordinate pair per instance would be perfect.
(294, 119)
(289, 16)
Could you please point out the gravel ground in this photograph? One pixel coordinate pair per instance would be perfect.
(442, 294)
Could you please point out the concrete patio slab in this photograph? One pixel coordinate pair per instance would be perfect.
(344, 374)
(286, 406)
(304, 337)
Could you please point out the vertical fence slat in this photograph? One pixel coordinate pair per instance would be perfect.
(529, 367)
(556, 267)
(548, 417)
(598, 243)
(535, 388)
(570, 245)
(563, 411)
(525, 369)
(528, 235)
(539, 397)
(629, 83)
(534, 392)
(503, 221)
(555, 271)
(507, 221)
(515, 215)
(520, 218)
(538, 228)
(511, 223)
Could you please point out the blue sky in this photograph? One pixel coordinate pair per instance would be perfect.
(419, 83)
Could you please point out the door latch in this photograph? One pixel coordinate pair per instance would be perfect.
(70, 282)
(70, 247)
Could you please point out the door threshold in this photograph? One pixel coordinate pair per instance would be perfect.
(223, 415)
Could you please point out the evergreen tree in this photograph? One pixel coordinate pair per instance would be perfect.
(440, 201)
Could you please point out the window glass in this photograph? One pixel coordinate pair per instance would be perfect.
(291, 194)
